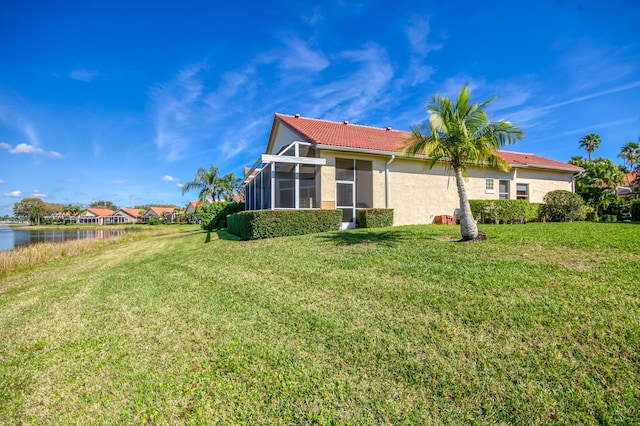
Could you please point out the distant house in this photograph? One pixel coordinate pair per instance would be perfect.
(320, 164)
(192, 207)
(63, 217)
(631, 188)
(124, 215)
(94, 216)
(160, 213)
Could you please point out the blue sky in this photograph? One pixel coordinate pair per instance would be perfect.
(124, 100)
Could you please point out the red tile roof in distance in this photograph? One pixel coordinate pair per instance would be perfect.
(100, 212)
(132, 212)
(333, 133)
(159, 210)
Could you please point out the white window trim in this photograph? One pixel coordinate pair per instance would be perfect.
(490, 191)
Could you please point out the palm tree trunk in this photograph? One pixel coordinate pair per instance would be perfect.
(468, 227)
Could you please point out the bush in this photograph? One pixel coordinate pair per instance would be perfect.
(506, 211)
(375, 218)
(254, 224)
(214, 216)
(154, 221)
(635, 210)
(609, 218)
(564, 206)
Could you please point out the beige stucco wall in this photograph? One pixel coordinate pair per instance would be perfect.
(417, 194)
(284, 137)
(543, 181)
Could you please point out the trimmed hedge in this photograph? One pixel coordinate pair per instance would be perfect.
(374, 218)
(506, 211)
(214, 216)
(254, 224)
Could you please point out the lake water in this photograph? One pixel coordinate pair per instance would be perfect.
(12, 238)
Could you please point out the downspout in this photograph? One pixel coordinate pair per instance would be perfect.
(387, 197)
(573, 180)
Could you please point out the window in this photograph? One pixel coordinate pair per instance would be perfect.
(489, 188)
(503, 188)
(522, 191)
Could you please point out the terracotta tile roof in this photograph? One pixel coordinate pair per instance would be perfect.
(524, 159)
(159, 210)
(195, 204)
(633, 178)
(132, 212)
(100, 212)
(324, 132)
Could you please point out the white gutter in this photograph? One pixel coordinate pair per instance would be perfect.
(387, 201)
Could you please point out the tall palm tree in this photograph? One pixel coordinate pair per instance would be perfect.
(207, 181)
(228, 184)
(590, 143)
(459, 134)
(630, 154)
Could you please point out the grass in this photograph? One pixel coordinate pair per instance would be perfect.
(539, 324)
(37, 254)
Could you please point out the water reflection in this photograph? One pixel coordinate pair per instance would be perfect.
(10, 239)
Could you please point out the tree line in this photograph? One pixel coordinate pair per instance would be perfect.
(597, 184)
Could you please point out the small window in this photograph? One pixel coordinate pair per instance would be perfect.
(489, 188)
(504, 189)
(522, 191)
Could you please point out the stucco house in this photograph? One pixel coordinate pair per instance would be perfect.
(124, 215)
(94, 216)
(159, 213)
(631, 187)
(320, 164)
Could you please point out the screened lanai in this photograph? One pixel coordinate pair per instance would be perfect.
(287, 180)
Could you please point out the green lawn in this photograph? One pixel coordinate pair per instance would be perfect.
(539, 324)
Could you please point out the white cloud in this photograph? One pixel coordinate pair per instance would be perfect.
(417, 33)
(31, 135)
(179, 112)
(23, 148)
(170, 178)
(179, 185)
(83, 74)
(531, 115)
(299, 56)
(13, 194)
(38, 194)
(2, 181)
(365, 88)
(315, 17)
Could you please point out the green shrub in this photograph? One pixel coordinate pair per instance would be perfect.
(635, 210)
(254, 224)
(506, 211)
(214, 216)
(609, 218)
(564, 206)
(620, 208)
(154, 220)
(375, 218)
(589, 213)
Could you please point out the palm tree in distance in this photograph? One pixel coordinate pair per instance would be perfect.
(590, 143)
(228, 185)
(630, 154)
(459, 134)
(207, 181)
